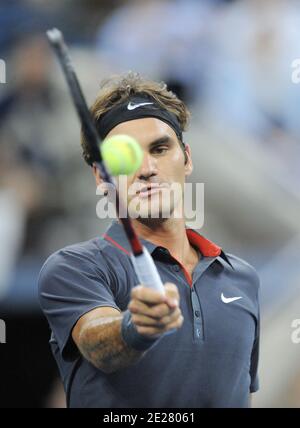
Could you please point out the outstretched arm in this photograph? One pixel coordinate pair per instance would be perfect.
(98, 334)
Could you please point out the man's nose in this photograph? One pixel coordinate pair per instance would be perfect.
(148, 167)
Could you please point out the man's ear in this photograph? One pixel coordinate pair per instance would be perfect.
(101, 185)
(97, 175)
(188, 164)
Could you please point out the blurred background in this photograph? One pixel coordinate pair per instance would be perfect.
(230, 61)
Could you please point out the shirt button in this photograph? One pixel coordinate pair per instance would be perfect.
(197, 314)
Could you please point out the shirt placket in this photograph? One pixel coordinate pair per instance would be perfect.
(198, 329)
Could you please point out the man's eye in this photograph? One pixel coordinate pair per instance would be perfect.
(159, 150)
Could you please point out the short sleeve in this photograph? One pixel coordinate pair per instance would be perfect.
(254, 386)
(71, 284)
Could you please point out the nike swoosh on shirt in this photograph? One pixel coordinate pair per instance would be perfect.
(229, 299)
(132, 106)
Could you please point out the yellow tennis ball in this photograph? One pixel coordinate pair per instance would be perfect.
(122, 154)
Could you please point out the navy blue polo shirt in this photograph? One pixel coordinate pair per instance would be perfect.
(211, 361)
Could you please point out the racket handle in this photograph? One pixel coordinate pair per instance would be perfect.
(146, 271)
(148, 275)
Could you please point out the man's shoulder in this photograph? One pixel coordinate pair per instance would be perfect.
(90, 257)
(244, 269)
(86, 253)
(80, 249)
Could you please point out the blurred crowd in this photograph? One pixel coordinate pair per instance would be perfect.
(229, 60)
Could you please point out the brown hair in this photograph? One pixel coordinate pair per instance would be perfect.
(119, 88)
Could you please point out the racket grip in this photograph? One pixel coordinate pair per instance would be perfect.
(146, 271)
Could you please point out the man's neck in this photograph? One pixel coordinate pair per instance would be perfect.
(170, 234)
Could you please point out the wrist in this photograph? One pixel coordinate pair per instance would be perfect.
(132, 337)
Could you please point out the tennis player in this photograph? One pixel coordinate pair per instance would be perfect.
(118, 343)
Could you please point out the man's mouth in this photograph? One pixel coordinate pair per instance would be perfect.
(150, 190)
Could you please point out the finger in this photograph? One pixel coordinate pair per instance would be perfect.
(142, 320)
(176, 324)
(154, 311)
(147, 295)
(172, 295)
(154, 331)
(171, 318)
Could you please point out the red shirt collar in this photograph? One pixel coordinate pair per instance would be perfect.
(206, 247)
(116, 236)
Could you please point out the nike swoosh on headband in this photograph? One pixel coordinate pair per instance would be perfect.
(132, 106)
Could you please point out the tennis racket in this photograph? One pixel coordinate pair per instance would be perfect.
(142, 261)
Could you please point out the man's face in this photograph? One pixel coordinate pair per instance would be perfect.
(156, 189)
